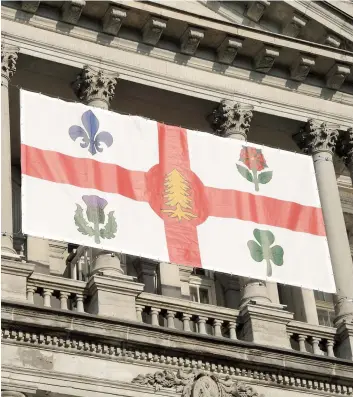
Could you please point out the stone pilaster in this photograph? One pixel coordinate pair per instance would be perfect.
(96, 88)
(345, 149)
(8, 68)
(319, 139)
(232, 120)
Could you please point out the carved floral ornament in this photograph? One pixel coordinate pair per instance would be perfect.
(9, 56)
(345, 147)
(196, 384)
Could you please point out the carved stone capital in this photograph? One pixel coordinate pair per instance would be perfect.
(9, 55)
(227, 51)
(196, 384)
(265, 58)
(153, 30)
(231, 118)
(93, 84)
(345, 147)
(71, 11)
(30, 6)
(294, 26)
(113, 20)
(336, 75)
(317, 136)
(301, 67)
(256, 9)
(190, 40)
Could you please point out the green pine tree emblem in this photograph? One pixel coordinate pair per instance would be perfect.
(96, 217)
(261, 249)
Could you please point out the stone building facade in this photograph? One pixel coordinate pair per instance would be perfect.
(82, 322)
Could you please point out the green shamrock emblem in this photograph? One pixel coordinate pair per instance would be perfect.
(96, 216)
(261, 249)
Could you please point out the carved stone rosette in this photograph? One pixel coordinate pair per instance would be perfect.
(9, 57)
(317, 136)
(231, 118)
(92, 84)
(345, 147)
(196, 384)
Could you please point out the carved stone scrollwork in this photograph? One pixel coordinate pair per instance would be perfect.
(9, 57)
(196, 384)
(94, 84)
(231, 118)
(190, 40)
(153, 29)
(317, 136)
(301, 67)
(294, 26)
(345, 148)
(30, 6)
(113, 20)
(336, 76)
(71, 11)
(256, 9)
(227, 51)
(265, 58)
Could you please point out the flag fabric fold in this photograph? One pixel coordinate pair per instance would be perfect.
(127, 184)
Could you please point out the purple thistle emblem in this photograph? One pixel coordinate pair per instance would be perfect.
(95, 215)
(89, 136)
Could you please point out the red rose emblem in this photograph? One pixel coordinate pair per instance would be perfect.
(253, 158)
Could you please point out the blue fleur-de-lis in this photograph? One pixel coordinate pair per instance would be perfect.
(89, 136)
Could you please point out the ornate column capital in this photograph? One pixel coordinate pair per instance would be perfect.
(95, 84)
(231, 118)
(317, 136)
(345, 147)
(9, 55)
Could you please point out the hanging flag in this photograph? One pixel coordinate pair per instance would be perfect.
(127, 184)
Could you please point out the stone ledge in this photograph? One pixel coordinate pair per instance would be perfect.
(171, 342)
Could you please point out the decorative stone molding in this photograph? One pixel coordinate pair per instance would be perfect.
(317, 136)
(118, 351)
(153, 30)
(9, 57)
(71, 11)
(332, 41)
(231, 118)
(301, 67)
(345, 147)
(336, 75)
(93, 84)
(112, 20)
(12, 393)
(196, 384)
(227, 51)
(190, 40)
(265, 58)
(30, 6)
(256, 9)
(294, 26)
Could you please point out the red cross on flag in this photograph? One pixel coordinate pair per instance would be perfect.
(127, 184)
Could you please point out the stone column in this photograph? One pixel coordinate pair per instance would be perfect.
(8, 68)
(345, 150)
(232, 120)
(319, 139)
(96, 88)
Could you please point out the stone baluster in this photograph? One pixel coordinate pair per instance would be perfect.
(139, 310)
(79, 303)
(329, 347)
(217, 327)
(154, 316)
(63, 300)
(315, 344)
(301, 340)
(47, 293)
(232, 330)
(345, 150)
(96, 88)
(8, 68)
(232, 120)
(201, 322)
(186, 322)
(170, 319)
(319, 139)
(30, 293)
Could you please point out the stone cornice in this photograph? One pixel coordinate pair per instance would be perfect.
(116, 60)
(164, 343)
